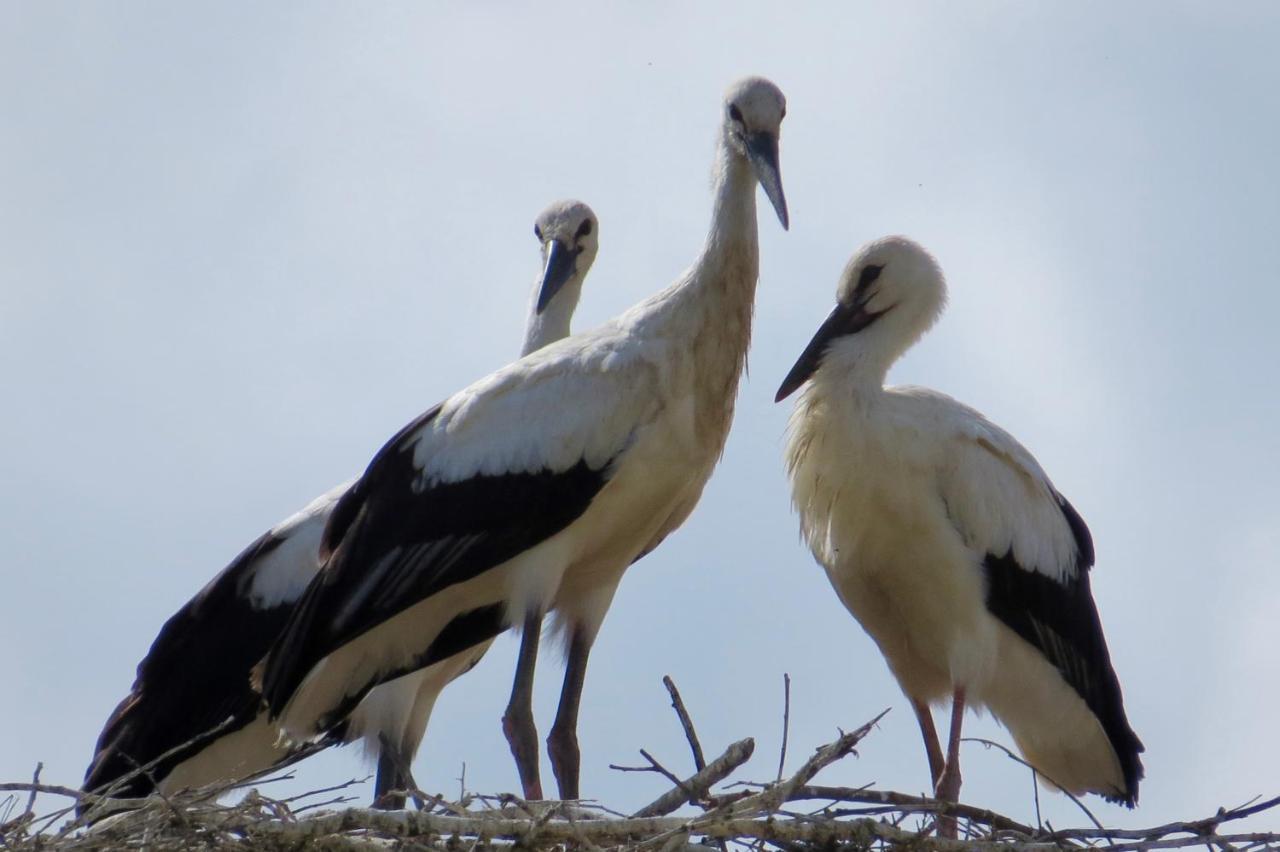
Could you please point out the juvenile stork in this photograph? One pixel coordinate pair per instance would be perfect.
(534, 488)
(948, 543)
(193, 685)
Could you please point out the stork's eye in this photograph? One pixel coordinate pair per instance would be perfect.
(869, 274)
(584, 229)
(537, 232)
(734, 112)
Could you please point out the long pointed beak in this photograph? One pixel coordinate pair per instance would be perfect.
(762, 149)
(843, 320)
(557, 272)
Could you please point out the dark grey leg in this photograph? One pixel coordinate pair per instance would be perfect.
(517, 721)
(562, 744)
(393, 774)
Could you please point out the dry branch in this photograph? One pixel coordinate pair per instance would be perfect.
(699, 762)
(698, 786)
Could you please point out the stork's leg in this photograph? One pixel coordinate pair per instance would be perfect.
(931, 745)
(393, 774)
(948, 788)
(517, 722)
(562, 743)
(388, 780)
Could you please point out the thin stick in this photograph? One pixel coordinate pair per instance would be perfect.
(1016, 759)
(1035, 792)
(772, 798)
(915, 804)
(35, 779)
(786, 721)
(699, 762)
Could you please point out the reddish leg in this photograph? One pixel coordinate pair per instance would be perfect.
(948, 788)
(931, 744)
(517, 722)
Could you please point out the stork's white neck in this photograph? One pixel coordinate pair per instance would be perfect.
(733, 210)
(714, 300)
(553, 323)
(858, 365)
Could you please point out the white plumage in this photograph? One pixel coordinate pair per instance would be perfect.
(196, 676)
(947, 541)
(557, 472)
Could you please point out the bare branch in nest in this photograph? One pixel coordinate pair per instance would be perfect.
(35, 779)
(773, 797)
(654, 766)
(698, 786)
(1079, 804)
(905, 803)
(786, 722)
(699, 762)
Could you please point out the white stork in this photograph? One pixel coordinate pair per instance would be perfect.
(534, 488)
(948, 543)
(193, 685)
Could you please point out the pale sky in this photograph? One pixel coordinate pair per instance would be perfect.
(241, 245)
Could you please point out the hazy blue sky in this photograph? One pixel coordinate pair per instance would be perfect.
(240, 245)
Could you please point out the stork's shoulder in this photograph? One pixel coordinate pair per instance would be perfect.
(577, 400)
(959, 429)
(996, 494)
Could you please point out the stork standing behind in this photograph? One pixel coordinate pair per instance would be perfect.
(194, 682)
(948, 543)
(536, 487)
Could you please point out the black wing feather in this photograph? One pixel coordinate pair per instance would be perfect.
(1059, 618)
(193, 680)
(394, 543)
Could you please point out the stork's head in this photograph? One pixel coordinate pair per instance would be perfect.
(890, 293)
(570, 236)
(753, 113)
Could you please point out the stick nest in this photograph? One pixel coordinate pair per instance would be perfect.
(790, 814)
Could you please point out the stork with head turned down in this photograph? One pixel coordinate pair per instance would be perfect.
(533, 489)
(192, 688)
(948, 543)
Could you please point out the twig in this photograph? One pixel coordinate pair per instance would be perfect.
(911, 804)
(35, 779)
(773, 797)
(654, 766)
(699, 785)
(786, 721)
(1035, 794)
(1016, 759)
(699, 762)
(1200, 828)
(108, 791)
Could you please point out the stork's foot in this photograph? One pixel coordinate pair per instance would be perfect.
(522, 736)
(948, 790)
(566, 760)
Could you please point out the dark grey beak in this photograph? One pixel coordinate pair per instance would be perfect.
(762, 150)
(842, 321)
(559, 269)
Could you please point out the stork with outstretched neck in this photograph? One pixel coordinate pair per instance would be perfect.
(191, 701)
(533, 489)
(947, 541)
